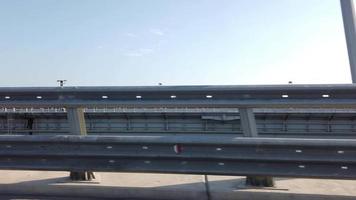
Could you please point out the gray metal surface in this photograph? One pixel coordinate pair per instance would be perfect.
(209, 155)
(328, 124)
(264, 96)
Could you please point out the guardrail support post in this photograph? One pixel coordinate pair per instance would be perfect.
(249, 129)
(29, 125)
(76, 121)
(77, 126)
(248, 122)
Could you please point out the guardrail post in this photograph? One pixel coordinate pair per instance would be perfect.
(29, 125)
(77, 126)
(249, 129)
(9, 122)
(76, 121)
(248, 122)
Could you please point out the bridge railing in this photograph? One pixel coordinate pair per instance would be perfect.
(248, 155)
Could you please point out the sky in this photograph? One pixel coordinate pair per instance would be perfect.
(173, 42)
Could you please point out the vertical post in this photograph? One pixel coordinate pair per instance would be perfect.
(248, 122)
(10, 120)
(30, 125)
(77, 126)
(249, 129)
(76, 121)
(348, 15)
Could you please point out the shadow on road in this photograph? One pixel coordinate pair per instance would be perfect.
(62, 188)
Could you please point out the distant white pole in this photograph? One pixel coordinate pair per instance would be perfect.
(348, 15)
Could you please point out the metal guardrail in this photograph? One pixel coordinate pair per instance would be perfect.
(203, 154)
(267, 96)
(225, 155)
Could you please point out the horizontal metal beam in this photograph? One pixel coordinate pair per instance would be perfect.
(183, 154)
(174, 139)
(264, 96)
(217, 103)
(183, 166)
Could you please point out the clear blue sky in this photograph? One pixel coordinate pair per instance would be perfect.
(176, 42)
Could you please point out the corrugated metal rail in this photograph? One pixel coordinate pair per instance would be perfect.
(225, 155)
(263, 96)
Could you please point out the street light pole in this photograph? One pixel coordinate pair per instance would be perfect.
(348, 15)
(61, 82)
